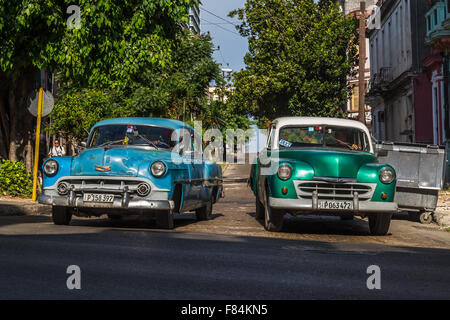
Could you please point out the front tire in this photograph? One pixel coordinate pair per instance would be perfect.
(164, 220)
(205, 213)
(259, 214)
(273, 219)
(379, 224)
(61, 215)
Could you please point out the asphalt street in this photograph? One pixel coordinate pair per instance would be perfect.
(228, 257)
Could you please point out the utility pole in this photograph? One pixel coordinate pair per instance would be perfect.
(362, 63)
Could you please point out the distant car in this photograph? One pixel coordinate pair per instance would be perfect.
(132, 166)
(322, 166)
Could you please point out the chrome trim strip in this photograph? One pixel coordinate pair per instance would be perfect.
(307, 205)
(117, 204)
(111, 178)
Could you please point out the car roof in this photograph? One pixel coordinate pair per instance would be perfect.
(162, 122)
(287, 121)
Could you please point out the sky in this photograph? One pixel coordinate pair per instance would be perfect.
(214, 18)
(232, 46)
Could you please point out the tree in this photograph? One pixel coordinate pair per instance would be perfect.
(300, 54)
(117, 40)
(173, 91)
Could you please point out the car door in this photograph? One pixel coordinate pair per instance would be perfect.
(263, 163)
(193, 186)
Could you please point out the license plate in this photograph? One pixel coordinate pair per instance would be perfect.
(98, 197)
(335, 205)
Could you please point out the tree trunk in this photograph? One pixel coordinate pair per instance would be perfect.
(21, 121)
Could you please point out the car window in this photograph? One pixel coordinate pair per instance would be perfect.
(131, 135)
(323, 136)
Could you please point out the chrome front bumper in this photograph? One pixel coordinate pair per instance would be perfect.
(311, 205)
(119, 203)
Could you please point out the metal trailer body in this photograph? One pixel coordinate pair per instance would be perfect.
(420, 170)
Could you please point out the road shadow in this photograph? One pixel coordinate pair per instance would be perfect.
(136, 221)
(322, 225)
(119, 264)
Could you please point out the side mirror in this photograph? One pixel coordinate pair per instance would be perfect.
(83, 144)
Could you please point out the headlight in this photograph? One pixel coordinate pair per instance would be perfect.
(51, 167)
(387, 175)
(158, 169)
(284, 172)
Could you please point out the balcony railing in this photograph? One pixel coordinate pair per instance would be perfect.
(380, 80)
(435, 16)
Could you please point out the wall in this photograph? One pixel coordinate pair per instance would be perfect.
(423, 109)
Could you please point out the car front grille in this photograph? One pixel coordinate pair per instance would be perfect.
(95, 184)
(335, 191)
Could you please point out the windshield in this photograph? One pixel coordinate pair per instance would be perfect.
(110, 135)
(323, 136)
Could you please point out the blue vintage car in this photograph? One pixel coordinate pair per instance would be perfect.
(133, 166)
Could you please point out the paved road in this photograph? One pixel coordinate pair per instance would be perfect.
(229, 257)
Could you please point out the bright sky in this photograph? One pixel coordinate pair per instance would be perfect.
(232, 46)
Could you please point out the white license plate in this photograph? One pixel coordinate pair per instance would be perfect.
(98, 197)
(335, 205)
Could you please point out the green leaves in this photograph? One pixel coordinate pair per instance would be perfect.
(300, 54)
(14, 179)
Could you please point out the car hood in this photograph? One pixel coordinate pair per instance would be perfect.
(123, 161)
(330, 162)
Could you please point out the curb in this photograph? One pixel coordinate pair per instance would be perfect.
(17, 208)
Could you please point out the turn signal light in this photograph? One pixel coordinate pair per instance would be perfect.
(284, 190)
(384, 196)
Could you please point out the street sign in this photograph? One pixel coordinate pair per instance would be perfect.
(32, 103)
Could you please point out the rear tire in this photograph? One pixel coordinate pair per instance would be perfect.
(205, 213)
(259, 214)
(61, 215)
(273, 219)
(164, 219)
(379, 224)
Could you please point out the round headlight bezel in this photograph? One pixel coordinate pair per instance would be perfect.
(158, 174)
(288, 169)
(46, 167)
(384, 173)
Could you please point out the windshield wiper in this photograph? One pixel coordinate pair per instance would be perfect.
(148, 141)
(109, 143)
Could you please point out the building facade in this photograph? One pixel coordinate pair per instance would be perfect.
(194, 20)
(400, 92)
(352, 7)
(438, 37)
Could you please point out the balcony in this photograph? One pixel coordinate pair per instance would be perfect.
(438, 26)
(380, 81)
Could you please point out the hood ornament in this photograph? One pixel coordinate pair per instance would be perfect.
(103, 168)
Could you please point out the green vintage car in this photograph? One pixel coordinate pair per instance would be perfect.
(322, 166)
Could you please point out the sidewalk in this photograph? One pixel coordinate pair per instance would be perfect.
(22, 207)
(442, 214)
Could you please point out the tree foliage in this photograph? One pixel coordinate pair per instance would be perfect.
(174, 91)
(300, 54)
(123, 47)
